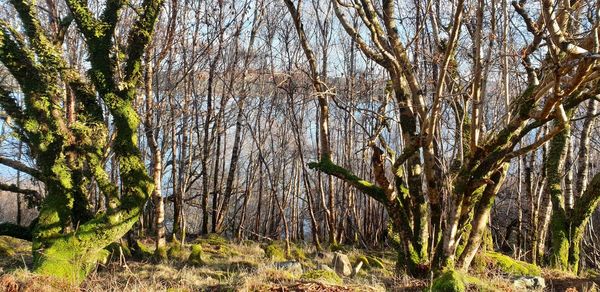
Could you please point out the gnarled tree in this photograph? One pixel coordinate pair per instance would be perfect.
(68, 240)
(425, 88)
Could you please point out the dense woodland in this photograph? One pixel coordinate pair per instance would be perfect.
(439, 130)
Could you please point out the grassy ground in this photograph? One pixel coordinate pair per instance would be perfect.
(246, 266)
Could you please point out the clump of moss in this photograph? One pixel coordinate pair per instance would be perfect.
(275, 252)
(195, 257)
(176, 252)
(297, 253)
(449, 281)
(508, 265)
(215, 239)
(322, 276)
(216, 245)
(142, 251)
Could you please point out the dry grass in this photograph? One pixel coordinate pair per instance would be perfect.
(234, 267)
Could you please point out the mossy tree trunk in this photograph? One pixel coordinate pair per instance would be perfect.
(69, 154)
(567, 225)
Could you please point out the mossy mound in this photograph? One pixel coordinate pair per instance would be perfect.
(326, 276)
(216, 245)
(297, 253)
(212, 239)
(454, 281)
(195, 257)
(449, 281)
(275, 252)
(6, 248)
(505, 264)
(10, 246)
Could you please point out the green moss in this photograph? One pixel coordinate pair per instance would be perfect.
(160, 254)
(142, 251)
(215, 239)
(323, 276)
(275, 252)
(216, 245)
(363, 259)
(369, 188)
(195, 257)
(508, 265)
(449, 281)
(375, 262)
(176, 252)
(297, 253)
(6, 249)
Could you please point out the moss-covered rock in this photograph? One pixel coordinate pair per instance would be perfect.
(449, 281)
(195, 257)
(6, 249)
(505, 264)
(326, 276)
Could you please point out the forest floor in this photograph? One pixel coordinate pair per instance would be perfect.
(246, 266)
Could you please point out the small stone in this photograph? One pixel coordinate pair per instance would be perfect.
(529, 283)
(292, 266)
(341, 264)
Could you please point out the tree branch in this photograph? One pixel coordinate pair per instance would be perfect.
(368, 188)
(31, 195)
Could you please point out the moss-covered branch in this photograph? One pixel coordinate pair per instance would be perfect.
(32, 196)
(368, 188)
